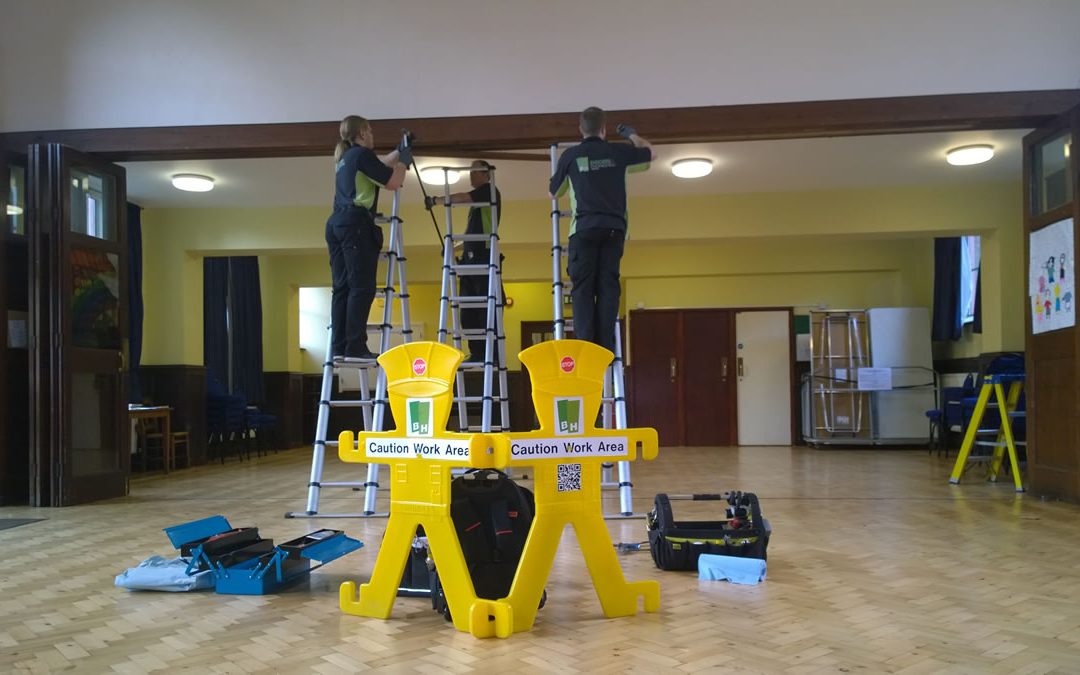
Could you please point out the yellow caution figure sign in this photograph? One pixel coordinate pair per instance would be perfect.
(421, 454)
(567, 452)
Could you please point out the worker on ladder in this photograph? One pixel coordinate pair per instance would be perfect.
(352, 237)
(595, 173)
(475, 252)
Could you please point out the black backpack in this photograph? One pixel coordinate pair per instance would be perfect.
(492, 515)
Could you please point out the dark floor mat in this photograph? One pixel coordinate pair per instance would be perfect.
(8, 523)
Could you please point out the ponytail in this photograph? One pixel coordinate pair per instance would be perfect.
(351, 127)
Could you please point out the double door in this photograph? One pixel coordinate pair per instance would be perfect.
(76, 327)
(712, 377)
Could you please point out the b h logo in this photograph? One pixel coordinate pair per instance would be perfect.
(419, 417)
(567, 416)
(583, 164)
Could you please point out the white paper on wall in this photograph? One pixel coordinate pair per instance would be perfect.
(1051, 270)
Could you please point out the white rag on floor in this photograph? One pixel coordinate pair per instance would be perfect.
(160, 574)
(729, 568)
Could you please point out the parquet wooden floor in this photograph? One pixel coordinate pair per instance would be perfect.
(876, 565)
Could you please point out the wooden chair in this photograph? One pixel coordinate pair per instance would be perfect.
(151, 438)
(180, 445)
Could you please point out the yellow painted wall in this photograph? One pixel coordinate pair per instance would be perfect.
(843, 249)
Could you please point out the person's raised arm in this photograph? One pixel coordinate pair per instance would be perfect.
(631, 134)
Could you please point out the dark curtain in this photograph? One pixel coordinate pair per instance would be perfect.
(976, 325)
(135, 301)
(215, 327)
(245, 305)
(947, 319)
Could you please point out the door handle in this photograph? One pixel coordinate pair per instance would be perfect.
(741, 369)
(673, 368)
(723, 367)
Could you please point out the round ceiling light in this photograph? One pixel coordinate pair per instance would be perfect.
(434, 175)
(692, 168)
(192, 182)
(967, 155)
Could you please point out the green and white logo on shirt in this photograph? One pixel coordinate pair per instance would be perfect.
(583, 164)
(418, 414)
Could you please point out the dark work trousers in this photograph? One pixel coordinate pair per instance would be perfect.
(473, 318)
(354, 241)
(593, 265)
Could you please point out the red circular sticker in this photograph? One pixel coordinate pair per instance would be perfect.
(567, 364)
(419, 366)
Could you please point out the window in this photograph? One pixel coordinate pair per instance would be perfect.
(970, 261)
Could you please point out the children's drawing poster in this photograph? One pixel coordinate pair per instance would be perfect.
(1051, 271)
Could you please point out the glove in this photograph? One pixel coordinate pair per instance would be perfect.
(405, 156)
(625, 131)
(431, 201)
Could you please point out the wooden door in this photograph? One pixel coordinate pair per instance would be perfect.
(14, 365)
(708, 377)
(78, 240)
(763, 364)
(1051, 186)
(655, 338)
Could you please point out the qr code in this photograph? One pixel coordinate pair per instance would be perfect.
(569, 478)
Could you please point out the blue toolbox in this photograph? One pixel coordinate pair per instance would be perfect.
(243, 563)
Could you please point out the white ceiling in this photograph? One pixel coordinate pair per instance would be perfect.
(116, 63)
(753, 166)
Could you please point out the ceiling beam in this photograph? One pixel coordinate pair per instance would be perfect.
(460, 136)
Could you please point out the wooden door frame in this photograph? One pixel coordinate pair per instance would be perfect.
(1041, 480)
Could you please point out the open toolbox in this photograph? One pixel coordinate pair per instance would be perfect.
(243, 563)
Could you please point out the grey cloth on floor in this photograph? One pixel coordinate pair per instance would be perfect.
(160, 574)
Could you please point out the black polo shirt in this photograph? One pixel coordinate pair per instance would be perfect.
(595, 173)
(358, 176)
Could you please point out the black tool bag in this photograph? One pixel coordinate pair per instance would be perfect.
(419, 575)
(743, 532)
(492, 515)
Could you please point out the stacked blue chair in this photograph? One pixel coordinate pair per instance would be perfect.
(226, 417)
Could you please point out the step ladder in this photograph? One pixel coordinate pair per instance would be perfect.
(451, 330)
(1003, 442)
(373, 407)
(613, 403)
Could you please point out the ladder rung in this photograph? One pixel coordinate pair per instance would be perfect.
(466, 204)
(350, 404)
(995, 444)
(349, 362)
(480, 427)
(471, 270)
(470, 301)
(470, 237)
(473, 366)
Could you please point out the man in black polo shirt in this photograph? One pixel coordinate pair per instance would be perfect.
(476, 252)
(595, 173)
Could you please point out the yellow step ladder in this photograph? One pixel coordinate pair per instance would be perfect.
(1006, 403)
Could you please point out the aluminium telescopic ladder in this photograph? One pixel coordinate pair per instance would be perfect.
(614, 396)
(451, 302)
(373, 407)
